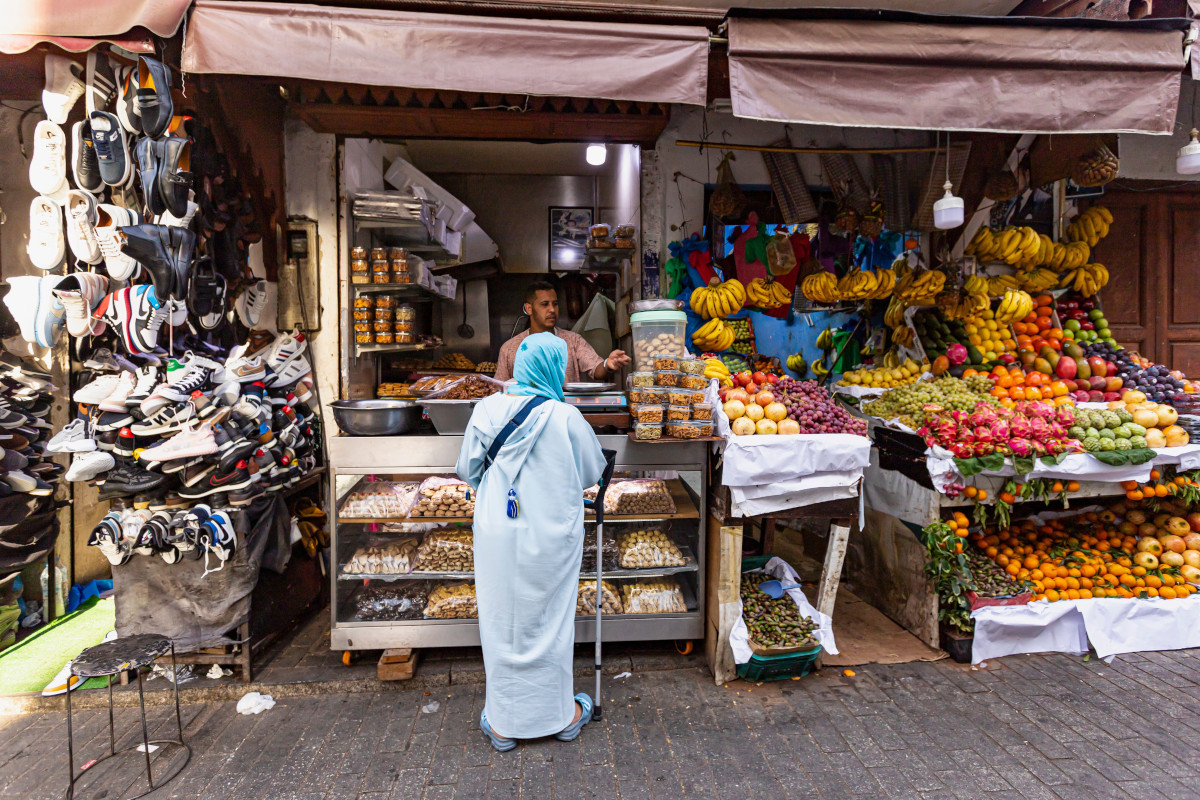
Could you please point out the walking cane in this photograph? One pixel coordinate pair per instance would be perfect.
(597, 505)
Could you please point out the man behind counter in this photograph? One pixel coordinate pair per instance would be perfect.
(583, 363)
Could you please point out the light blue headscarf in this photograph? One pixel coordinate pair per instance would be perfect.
(540, 367)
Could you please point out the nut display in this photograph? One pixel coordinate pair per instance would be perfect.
(585, 603)
(679, 413)
(691, 366)
(386, 301)
(642, 378)
(381, 277)
(447, 550)
(360, 277)
(378, 253)
(362, 338)
(452, 601)
(387, 314)
(406, 312)
(360, 266)
(486, 367)
(389, 558)
(444, 497)
(642, 549)
(379, 500)
(364, 301)
(648, 431)
(702, 411)
(640, 496)
(358, 253)
(384, 338)
(693, 382)
(667, 377)
(612, 558)
(644, 350)
(652, 596)
(382, 326)
(654, 395)
(679, 397)
(668, 361)
(692, 429)
(773, 623)
(361, 315)
(454, 361)
(648, 413)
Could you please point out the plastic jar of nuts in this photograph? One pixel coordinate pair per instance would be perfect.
(691, 366)
(693, 429)
(382, 326)
(647, 431)
(361, 315)
(678, 413)
(679, 397)
(702, 411)
(649, 394)
(385, 337)
(386, 301)
(406, 312)
(405, 337)
(666, 361)
(698, 382)
(648, 413)
(379, 253)
(364, 301)
(385, 314)
(642, 379)
(667, 377)
(358, 253)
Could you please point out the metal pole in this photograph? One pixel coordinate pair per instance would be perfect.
(145, 732)
(756, 148)
(70, 742)
(175, 672)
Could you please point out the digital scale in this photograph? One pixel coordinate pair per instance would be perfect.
(602, 409)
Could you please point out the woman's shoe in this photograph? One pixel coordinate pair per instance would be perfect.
(499, 742)
(572, 731)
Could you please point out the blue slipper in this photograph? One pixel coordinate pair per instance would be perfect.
(571, 731)
(498, 742)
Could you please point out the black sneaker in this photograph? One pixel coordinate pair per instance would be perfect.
(239, 450)
(219, 481)
(194, 474)
(127, 479)
(204, 285)
(113, 421)
(106, 440)
(84, 163)
(125, 444)
(181, 464)
(247, 496)
(112, 151)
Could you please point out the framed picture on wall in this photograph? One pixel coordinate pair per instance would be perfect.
(568, 237)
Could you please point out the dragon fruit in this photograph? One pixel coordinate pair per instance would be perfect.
(982, 415)
(1019, 427)
(956, 354)
(945, 430)
(965, 435)
(984, 448)
(1039, 448)
(1021, 448)
(1073, 446)
(1054, 446)
(1003, 412)
(1003, 448)
(960, 417)
(1000, 430)
(1057, 431)
(1039, 410)
(1039, 429)
(1065, 416)
(962, 449)
(983, 434)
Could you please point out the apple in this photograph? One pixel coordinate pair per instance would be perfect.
(1095, 397)
(772, 378)
(1087, 325)
(742, 378)
(764, 398)
(759, 378)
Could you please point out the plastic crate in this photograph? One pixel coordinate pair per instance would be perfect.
(778, 668)
(751, 563)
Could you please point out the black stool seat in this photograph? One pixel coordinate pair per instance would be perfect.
(120, 655)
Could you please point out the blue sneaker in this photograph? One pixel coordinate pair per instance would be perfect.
(498, 742)
(572, 731)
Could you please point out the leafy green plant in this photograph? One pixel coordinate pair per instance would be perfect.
(951, 574)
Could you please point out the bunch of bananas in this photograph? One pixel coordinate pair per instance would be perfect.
(885, 284)
(1015, 305)
(825, 339)
(1091, 226)
(976, 284)
(820, 370)
(904, 335)
(714, 368)
(857, 285)
(797, 364)
(999, 284)
(820, 287)
(920, 289)
(1072, 255)
(768, 294)
(1013, 246)
(713, 336)
(1087, 280)
(960, 305)
(893, 317)
(1037, 280)
(718, 299)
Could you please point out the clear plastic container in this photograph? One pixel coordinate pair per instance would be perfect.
(406, 312)
(657, 332)
(667, 377)
(679, 397)
(692, 429)
(691, 366)
(649, 394)
(642, 379)
(648, 413)
(695, 382)
(702, 411)
(647, 431)
(679, 413)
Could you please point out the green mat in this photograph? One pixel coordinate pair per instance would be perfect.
(30, 664)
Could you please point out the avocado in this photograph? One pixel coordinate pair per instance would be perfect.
(973, 354)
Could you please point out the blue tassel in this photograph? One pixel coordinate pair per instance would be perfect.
(514, 507)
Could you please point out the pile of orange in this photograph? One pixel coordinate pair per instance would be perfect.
(1012, 383)
(1157, 487)
(1037, 330)
(1079, 558)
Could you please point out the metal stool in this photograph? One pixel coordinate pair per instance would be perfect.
(113, 658)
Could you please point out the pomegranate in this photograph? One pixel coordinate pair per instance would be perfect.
(743, 427)
(734, 409)
(765, 398)
(778, 411)
(766, 427)
(789, 427)
(754, 412)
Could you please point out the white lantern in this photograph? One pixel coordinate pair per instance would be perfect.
(949, 211)
(1187, 160)
(596, 154)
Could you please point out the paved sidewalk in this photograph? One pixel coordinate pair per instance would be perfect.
(1037, 727)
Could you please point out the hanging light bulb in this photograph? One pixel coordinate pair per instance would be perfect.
(949, 211)
(596, 154)
(1187, 160)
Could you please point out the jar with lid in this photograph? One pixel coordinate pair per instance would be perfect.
(358, 253)
(378, 253)
(406, 312)
(405, 337)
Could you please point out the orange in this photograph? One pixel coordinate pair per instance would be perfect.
(1051, 595)
(1085, 594)
(1043, 300)
(1013, 568)
(1073, 486)
(1151, 592)
(1073, 594)
(1072, 583)
(1099, 593)
(1167, 592)
(1154, 581)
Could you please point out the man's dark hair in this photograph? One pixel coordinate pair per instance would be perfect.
(538, 286)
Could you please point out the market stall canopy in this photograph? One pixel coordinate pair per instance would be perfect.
(95, 18)
(138, 40)
(943, 73)
(655, 63)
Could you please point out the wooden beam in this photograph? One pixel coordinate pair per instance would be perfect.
(448, 123)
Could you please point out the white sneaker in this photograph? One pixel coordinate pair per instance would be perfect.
(251, 302)
(98, 389)
(74, 438)
(109, 219)
(198, 373)
(286, 348)
(86, 466)
(126, 382)
(80, 293)
(64, 85)
(63, 682)
(48, 167)
(188, 443)
(167, 218)
(81, 227)
(22, 302)
(46, 247)
(48, 319)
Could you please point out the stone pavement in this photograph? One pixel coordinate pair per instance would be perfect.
(1036, 727)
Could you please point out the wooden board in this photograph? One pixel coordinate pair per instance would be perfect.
(396, 655)
(397, 670)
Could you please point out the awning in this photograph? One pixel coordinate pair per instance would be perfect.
(90, 19)
(135, 41)
(1011, 76)
(655, 63)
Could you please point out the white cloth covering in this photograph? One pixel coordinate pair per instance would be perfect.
(527, 569)
(739, 636)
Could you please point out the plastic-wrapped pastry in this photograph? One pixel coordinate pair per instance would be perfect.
(652, 596)
(452, 601)
(585, 602)
(447, 550)
(379, 499)
(643, 549)
(384, 557)
(444, 497)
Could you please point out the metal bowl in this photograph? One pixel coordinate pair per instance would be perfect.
(376, 417)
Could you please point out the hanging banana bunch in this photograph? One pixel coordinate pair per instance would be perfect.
(718, 299)
(769, 294)
(820, 287)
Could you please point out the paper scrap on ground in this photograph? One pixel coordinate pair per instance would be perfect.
(622, 676)
(431, 708)
(216, 672)
(255, 703)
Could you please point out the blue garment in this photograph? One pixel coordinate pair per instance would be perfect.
(540, 366)
(527, 569)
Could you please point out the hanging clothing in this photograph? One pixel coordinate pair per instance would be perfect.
(527, 567)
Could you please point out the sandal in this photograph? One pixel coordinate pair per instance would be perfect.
(572, 731)
(499, 742)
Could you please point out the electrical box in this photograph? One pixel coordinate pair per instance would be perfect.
(299, 278)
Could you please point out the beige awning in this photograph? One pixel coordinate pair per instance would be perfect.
(998, 77)
(653, 63)
(89, 18)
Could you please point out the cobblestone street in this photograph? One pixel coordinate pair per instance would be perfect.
(1037, 727)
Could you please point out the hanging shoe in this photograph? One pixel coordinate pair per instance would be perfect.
(85, 165)
(174, 178)
(112, 150)
(81, 227)
(216, 316)
(63, 87)
(127, 108)
(154, 102)
(100, 82)
(251, 303)
(80, 293)
(147, 153)
(46, 247)
(48, 166)
(109, 219)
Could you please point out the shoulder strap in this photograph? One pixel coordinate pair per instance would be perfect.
(508, 429)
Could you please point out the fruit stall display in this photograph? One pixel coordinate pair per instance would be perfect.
(908, 371)
(784, 406)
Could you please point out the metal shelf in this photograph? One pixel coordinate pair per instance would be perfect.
(690, 565)
(414, 290)
(359, 349)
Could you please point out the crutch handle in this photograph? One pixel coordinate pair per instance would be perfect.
(597, 505)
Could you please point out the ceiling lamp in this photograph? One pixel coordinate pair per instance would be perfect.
(1187, 160)
(596, 154)
(949, 211)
